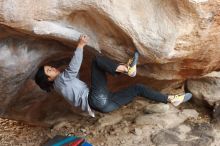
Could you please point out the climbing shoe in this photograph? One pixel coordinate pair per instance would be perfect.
(132, 63)
(178, 99)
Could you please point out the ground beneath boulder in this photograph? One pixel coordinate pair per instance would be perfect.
(134, 124)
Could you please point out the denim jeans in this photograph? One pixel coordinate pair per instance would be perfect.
(103, 100)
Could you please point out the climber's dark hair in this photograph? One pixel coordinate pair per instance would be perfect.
(42, 81)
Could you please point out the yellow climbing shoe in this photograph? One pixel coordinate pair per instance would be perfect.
(132, 63)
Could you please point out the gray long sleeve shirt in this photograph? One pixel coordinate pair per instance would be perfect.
(73, 89)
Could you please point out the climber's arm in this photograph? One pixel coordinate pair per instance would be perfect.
(76, 61)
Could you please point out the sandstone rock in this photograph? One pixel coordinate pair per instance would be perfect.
(61, 124)
(216, 114)
(206, 88)
(191, 113)
(83, 130)
(184, 129)
(206, 91)
(122, 141)
(166, 120)
(176, 39)
(125, 130)
(157, 108)
(110, 119)
(199, 135)
(137, 131)
(173, 28)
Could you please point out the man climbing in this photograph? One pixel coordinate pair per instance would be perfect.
(98, 97)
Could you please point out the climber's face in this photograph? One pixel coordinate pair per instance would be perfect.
(51, 72)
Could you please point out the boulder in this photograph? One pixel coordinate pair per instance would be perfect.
(157, 108)
(169, 119)
(109, 120)
(186, 135)
(205, 89)
(176, 39)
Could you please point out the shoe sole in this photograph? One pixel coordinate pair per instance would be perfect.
(187, 97)
(133, 64)
(135, 59)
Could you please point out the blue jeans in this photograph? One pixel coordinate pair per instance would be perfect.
(103, 100)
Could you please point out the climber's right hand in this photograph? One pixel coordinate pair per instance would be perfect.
(83, 40)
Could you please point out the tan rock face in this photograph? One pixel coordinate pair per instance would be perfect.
(177, 40)
(205, 91)
(206, 88)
